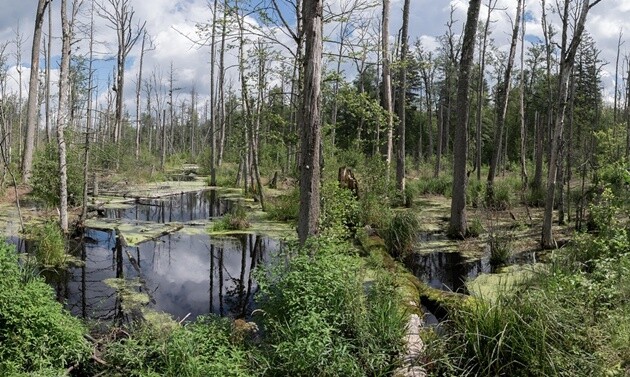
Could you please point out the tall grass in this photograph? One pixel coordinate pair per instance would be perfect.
(569, 319)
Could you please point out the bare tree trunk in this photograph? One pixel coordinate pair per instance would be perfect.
(567, 59)
(138, 87)
(213, 115)
(308, 220)
(88, 126)
(524, 177)
(619, 43)
(480, 91)
(221, 84)
(48, 68)
(402, 100)
(33, 90)
(63, 116)
(458, 224)
(386, 99)
(503, 100)
(438, 155)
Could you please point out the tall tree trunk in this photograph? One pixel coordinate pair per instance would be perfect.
(138, 87)
(308, 219)
(480, 91)
(386, 99)
(48, 68)
(63, 116)
(458, 223)
(33, 90)
(567, 59)
(88, 125)
(503, 100)
(213, 107)
(524, 177)
(221, 84)
(402, 100)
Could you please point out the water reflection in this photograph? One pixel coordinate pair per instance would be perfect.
(188, 206)
(448, 270)
(184, 275)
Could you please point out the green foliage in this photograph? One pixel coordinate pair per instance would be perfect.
(50, 245)
(36, 334)
(401, 234)
(442, 185)
(205, 347)
(318, 320)
(45, 179)
(475, 192)
(500, 249)
(475, 229)
(235, 220)
(284, 207)
(568, 320)
(375, 190)
(340, 211)
(536, 197)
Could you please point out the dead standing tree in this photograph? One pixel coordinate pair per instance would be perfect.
(567, 60)
(119, 14)
(310, 120)
(32, 113)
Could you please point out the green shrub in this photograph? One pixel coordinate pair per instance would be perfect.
(45, 179)
(401, 234)
(235, 220)
(318, 320)
(50, 245)
(340, 211)
(36, 333)
(284, 207)
(500, 249)
(536, 197)
(475, 229)
(205, 347)
(442, 185)
(475, 192)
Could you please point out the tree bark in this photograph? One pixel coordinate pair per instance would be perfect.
(402, 100)
(33, 90)
(62, 116)
(503, 100)
(567, 59)
(386, 99)
(458, 223)
(308, 220)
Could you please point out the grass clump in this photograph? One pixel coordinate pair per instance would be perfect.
(205, 347)
(500, 249)
(401, 234)
(37, 336)
(49, 242)
(235, 220)
(569, 319)
(319, 321)
(284, 207)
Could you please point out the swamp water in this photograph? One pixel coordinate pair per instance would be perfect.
(184, 274)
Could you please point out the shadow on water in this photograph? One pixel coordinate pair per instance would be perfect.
(184, 275)
(187, 206)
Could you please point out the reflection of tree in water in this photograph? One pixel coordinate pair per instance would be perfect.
(239, 292)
